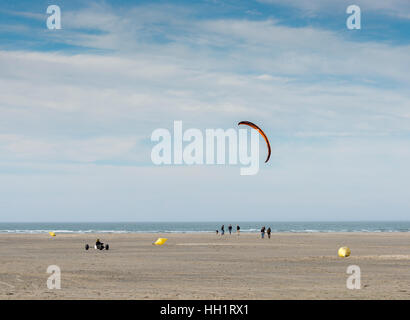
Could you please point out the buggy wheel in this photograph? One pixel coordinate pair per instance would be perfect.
(107, 247)
(87, 247)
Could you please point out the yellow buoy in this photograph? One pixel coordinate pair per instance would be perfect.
(344, 252)
(160, 241)
(52, 234)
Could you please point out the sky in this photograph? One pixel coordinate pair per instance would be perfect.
(78, 106)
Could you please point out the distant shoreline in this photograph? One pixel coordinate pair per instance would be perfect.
(198, 233)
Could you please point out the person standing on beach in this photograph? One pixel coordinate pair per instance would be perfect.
(268, 232)
(230, 229)
(222, 230)
(263, 232)
(238, 229)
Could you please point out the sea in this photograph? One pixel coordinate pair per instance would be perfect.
(194, 227)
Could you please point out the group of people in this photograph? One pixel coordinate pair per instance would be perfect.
(238, 229)
(268, 232)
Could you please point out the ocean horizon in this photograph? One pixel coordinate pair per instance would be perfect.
(197, 227)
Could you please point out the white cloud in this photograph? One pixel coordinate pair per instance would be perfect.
(46, 94)
(28, 149)
(392, 7)
(345, 180)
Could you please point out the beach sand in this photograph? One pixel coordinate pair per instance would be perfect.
(206, 266)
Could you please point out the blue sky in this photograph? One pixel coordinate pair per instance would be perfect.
(78, 107)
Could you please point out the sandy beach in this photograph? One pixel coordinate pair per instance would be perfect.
(206, 266)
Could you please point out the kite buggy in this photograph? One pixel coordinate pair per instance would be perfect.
(98, 245)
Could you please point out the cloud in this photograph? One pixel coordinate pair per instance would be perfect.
(314, 8)
(28, 149)
(344, 180)
(25, 14)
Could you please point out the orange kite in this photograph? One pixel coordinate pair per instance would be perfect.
(252, 125)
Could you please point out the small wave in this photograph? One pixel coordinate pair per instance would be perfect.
(125, 229)
(29, 231)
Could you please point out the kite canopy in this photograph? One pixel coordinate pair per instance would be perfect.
(52, 234)
(254, 126)
(344, 252)
(160, 241)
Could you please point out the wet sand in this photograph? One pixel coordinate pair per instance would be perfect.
(206, 266)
